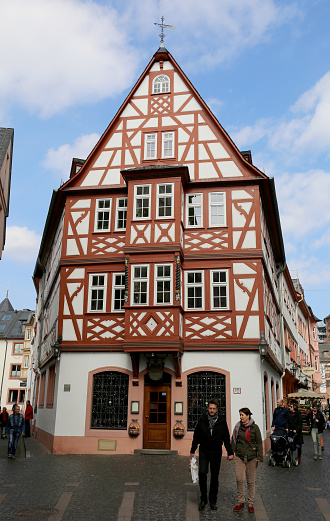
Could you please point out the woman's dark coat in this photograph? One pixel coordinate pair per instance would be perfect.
(211, 443)
(294, 422)
(316, 425)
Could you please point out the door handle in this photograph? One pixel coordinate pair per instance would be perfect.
(147, 416)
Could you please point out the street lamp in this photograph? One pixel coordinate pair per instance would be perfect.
(57, 348)
(292, 368)
(263, 346)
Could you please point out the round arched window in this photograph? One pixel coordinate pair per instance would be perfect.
(161, 84)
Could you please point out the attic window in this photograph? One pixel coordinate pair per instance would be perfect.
(6, 317)
(161, 84)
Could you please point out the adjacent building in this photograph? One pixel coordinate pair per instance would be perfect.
(161, 281)
(12, 388)
(6, 155)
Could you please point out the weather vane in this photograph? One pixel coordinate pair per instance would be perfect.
(162, 35)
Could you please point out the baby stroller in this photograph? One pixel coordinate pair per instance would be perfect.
(282, 449)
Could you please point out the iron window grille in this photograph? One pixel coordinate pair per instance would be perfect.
(110, 401)
(203, 386)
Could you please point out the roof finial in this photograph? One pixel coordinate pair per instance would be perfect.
(162, 35)
(7, 290)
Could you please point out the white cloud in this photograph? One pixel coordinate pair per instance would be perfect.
(219, 30)
(304, 203)
(22, 244)
(61, 53)
(69, 52)
(249, 135)
(307, 133)
(59, 160)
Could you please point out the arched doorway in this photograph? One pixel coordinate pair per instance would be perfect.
(157, 412)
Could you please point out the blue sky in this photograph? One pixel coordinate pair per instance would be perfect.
(261, 65)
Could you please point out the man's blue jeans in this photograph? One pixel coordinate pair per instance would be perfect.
(13, 441)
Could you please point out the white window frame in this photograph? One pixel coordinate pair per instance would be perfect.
(216, 204)
(136, 279)
(100, 210)
(163, 278)
(165, 196)
(103, 287)
(219, 284)
(194, 285)
(142, 196)
(194, 205)
(168, 137)
(115, 287)
(26, 361)
(15, 374)
(18, 351)
(163, 82)
(150, 139)
(120, 209)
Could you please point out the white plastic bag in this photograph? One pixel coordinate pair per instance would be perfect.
(194, 469)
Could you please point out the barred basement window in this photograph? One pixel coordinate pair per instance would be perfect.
(203, 386)
(110, 401)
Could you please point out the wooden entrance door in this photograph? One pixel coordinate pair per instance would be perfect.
(157, 417)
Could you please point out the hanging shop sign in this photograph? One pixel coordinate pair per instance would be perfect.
(308, 371)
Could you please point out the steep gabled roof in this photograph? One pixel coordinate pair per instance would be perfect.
(203, 144)
(11, 321)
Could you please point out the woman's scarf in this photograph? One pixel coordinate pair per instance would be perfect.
(246, 427)
(212, 420)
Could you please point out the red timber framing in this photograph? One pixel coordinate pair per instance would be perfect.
(166, 150)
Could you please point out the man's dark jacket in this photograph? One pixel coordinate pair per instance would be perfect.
(211, 443)
(280, 417)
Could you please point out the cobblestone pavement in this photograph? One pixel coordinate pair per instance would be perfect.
(153, 488)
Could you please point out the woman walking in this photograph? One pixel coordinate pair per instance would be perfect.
(316, 421)
(247, 446)
(294, 425)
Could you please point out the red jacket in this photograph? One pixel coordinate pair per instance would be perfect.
(29, 412)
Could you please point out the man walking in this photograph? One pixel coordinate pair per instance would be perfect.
(28, 418)
(210, 433)
(15, 427)
(280, 415)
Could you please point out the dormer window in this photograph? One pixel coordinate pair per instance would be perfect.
(161, 84)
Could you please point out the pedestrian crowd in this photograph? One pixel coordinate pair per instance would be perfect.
(245, 446)
(14, 425)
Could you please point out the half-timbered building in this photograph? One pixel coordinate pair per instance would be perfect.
(157, 280)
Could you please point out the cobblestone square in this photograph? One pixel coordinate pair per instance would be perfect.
(153, 488)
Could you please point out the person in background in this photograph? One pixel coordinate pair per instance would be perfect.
(246, 443)
(280, 415)
(294, 425)
(28, 418)
(15, 427)
(316, 421)
(210, 433)
(3, 421)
